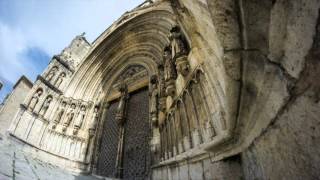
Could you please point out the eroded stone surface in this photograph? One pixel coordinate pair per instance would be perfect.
(19, 165)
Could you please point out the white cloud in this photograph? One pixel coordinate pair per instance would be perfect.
(50, 25)
(12, 44)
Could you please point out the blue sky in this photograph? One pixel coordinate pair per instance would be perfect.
(32, 31)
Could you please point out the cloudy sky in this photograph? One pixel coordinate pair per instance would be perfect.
(32, 31)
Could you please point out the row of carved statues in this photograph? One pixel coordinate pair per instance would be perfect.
(54, 77)
(66, 115)
(35, 100)
(189, 121)
(175, 61)
(68, 112)
(175, 58)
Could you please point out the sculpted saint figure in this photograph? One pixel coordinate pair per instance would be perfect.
(154, 95)
(51, 73)
(61, 111)
(94, 121)
(70, 115)
(60, 79)
(122, 103)
(169, 66)
(34, 100)
(45, 106)
(79, 120)
(177, 43)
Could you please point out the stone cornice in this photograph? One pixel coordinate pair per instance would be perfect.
(65, 64)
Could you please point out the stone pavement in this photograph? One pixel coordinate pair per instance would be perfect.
(18, 165)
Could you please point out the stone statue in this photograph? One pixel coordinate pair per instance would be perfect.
(170, 73)
(59, 79)
(61, 111)
(179, 51)
(94, 121)
(169, 66)
(122, 103)
(153, 100)
(70, 116)
(34, 100)
(51, 74)
(45, 106)
(178, 46)
(79, 120)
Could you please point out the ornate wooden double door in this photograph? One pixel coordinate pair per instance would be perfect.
(133, 161)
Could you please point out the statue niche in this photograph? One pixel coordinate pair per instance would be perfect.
(60, 79)
(51, 73)
(34, 100)
(179, 47)
(59, 115)
(79, 120)
(45, 106)
(170, 73)
(70, 116)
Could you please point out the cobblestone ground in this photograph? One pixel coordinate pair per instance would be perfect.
(18, 165)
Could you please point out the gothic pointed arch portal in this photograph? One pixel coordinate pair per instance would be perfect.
(124, 149)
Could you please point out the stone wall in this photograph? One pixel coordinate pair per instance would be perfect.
(277, 44)
(229, 169)
(12, 103)
(289, 149)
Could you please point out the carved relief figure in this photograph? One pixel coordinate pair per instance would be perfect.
(51, 73)
(154, 99)
(60, 79)
(79, 120)
(170, 73)
(94, 121)
(70, 116)
(169, 67)
(178, 45)
(179, 50)
(122, 103)
(45, 106)
(58, 117)
(34, 100)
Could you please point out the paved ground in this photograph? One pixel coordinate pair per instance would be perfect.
(17, 165)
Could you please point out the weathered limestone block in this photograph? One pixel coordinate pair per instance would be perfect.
(292, 28)
(225, 19)
(293, 138)
(12, 103)
(264, 93)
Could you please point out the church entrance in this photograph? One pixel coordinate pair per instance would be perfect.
(124, 150)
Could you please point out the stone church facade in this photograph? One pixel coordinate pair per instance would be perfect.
(182, 89)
